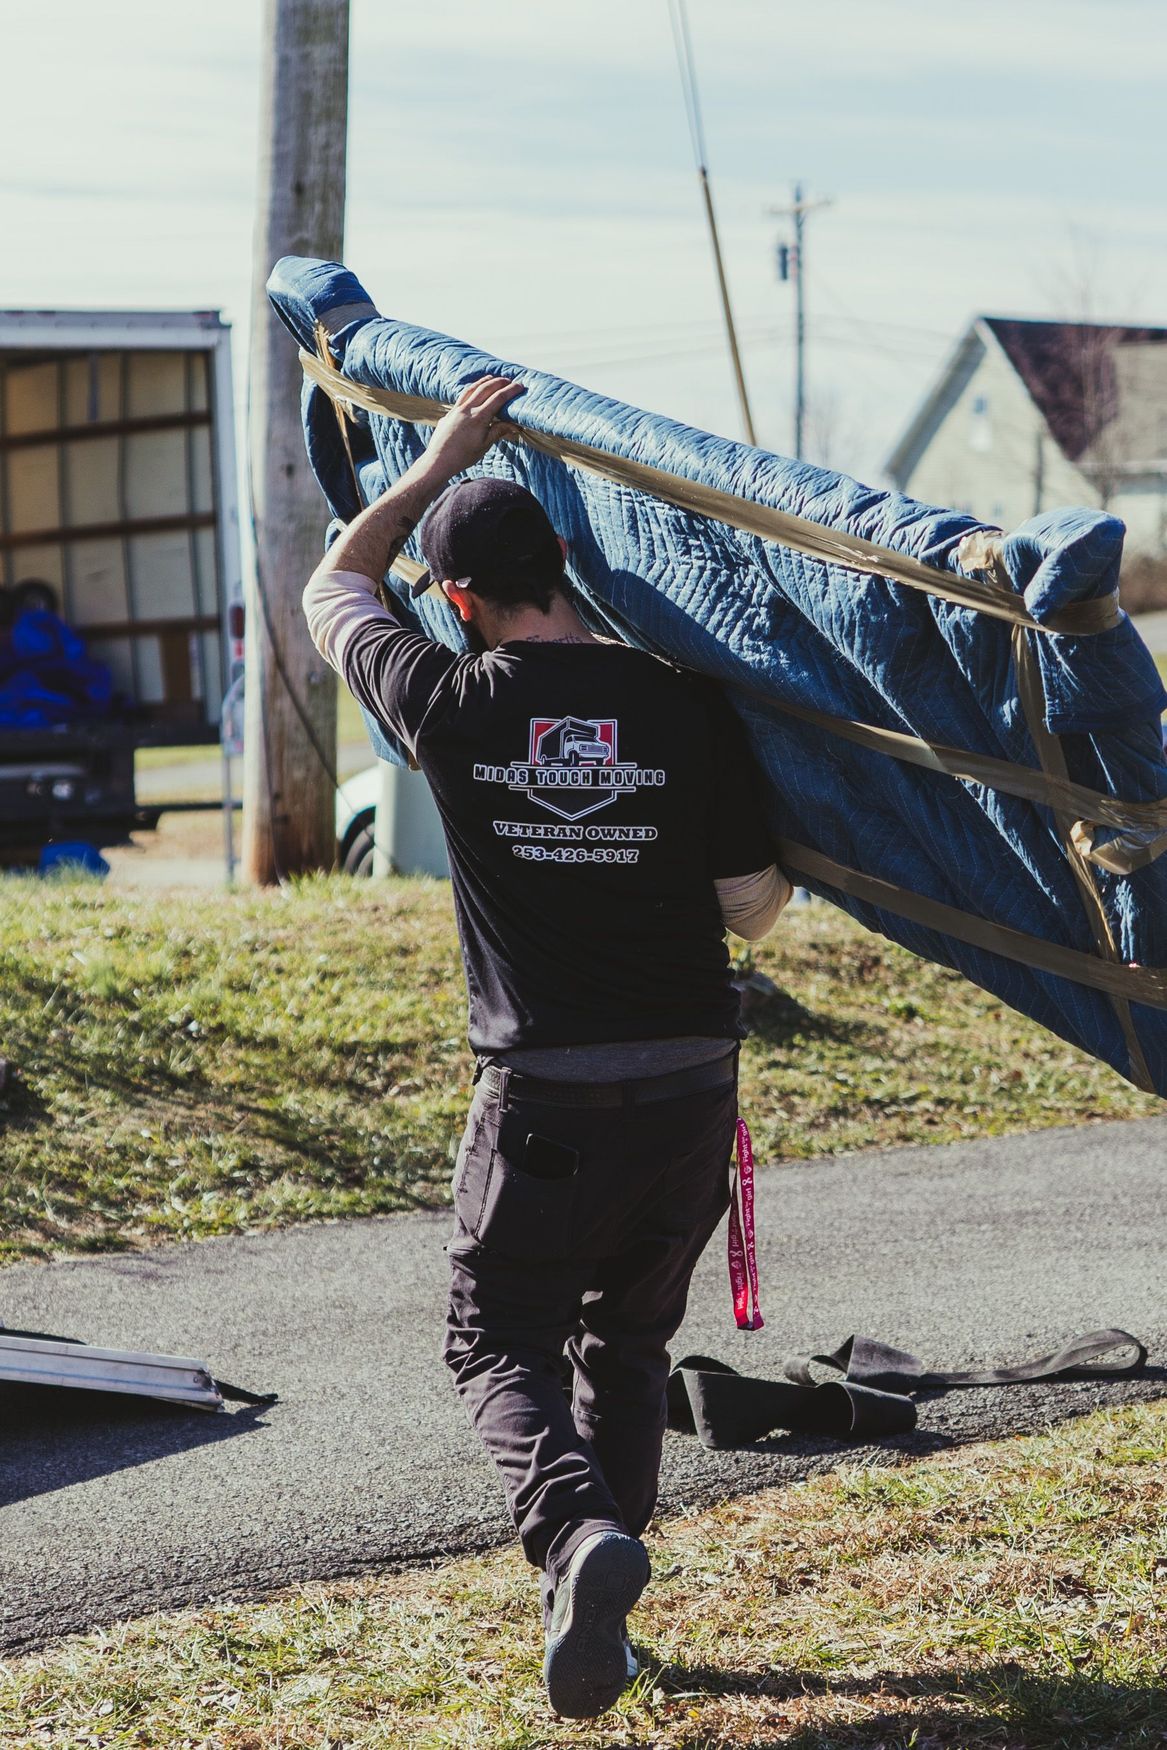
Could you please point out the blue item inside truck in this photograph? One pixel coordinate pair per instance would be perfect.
(46, 675)
(809, 647)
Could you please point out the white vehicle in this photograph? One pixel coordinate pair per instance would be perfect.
(387, 802)
(356, 812)
(119, 515)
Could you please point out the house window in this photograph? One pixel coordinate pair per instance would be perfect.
(980, 432)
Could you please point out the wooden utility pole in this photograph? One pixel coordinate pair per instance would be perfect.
(792, 264)
(799, 323)
(289, 757)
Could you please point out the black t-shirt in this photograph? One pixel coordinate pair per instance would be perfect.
(590, 795)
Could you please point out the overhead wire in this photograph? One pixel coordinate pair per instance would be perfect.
(868, 324)
(689, 324)
(762, 330)
(679, 20)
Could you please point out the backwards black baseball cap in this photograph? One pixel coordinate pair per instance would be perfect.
(490, 535)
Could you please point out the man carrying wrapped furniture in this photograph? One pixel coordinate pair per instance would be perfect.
(599, 810)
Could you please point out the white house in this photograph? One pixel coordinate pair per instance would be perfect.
(1030, 415)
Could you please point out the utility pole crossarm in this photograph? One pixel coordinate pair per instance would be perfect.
(799, 206)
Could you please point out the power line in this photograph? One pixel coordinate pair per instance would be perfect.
(592, 332)
(769, 336)
(679, 19)
(587, 345)
(631, 331)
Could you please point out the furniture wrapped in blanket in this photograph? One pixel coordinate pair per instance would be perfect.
(959, 731)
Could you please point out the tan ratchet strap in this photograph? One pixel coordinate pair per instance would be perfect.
(326, 359)
(1053, 762)
(1140, 984)
(1076, 807)
(1025, 782)
(798, 533)
(1144, 822)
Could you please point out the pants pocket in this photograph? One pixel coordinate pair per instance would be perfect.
(463, 1162)
(518, 1189)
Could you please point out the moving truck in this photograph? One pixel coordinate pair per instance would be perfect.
(119, 516)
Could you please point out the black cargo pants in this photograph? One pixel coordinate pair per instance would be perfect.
(593, 1253)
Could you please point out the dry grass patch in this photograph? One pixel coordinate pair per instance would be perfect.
(1010, 1596)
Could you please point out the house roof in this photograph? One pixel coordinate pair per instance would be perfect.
(1082, 376)
(1101, 389)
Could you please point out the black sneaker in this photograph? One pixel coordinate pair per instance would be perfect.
(631, 1662)
(547, 1601)
(587, 1666)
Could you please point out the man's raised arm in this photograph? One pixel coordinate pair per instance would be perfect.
(341, 597)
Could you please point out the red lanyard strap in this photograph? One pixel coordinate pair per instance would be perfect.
(743, 1256)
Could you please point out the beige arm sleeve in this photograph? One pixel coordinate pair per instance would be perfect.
(336, 605)
(751, 903)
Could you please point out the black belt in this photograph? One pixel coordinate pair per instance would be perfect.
(509, 1084)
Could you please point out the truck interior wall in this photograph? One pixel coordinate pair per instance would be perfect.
(116, 576)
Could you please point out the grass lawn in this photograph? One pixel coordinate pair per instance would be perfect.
(1012, 1595)
(185, 1064)
(350, 729)
(150, 759)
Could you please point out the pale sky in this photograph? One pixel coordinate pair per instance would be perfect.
(520, 175)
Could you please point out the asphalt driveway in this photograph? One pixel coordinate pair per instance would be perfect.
(971, 1253)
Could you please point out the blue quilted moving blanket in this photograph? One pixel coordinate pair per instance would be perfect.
(776, 627)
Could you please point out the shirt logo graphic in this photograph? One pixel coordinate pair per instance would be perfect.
(571, 768)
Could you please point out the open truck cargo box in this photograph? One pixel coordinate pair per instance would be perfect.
(118, 490)
(117, 487)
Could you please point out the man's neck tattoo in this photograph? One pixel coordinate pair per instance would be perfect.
(568, 638)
